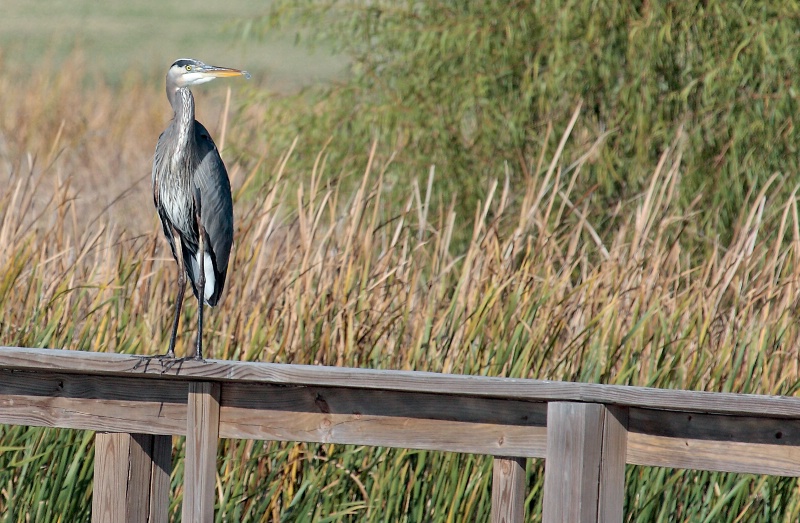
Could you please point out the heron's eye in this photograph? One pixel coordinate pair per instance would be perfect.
(188, 67)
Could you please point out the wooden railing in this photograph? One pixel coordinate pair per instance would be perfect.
(585, 432)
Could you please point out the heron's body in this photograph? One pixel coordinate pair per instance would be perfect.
(192, 194)
(175, 200)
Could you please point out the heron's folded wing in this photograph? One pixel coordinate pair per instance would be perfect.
(211, 178)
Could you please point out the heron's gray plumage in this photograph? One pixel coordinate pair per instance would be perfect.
(192, 192)
(176, 195)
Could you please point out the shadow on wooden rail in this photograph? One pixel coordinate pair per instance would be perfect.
(586, 432)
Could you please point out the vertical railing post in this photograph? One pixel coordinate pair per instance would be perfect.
(508, 490)
(131, 478)
(202, 438)
(612, 465)
(584, 479)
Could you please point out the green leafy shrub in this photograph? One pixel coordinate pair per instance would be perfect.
(470, 87)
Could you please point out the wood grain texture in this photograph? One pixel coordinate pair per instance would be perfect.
(572, 467)
(110, 477)
(714, 442)
(383, 418)
(508, 490)
(102, 403)
(522, 389)
(611, 498)
(140, 465)
(161, 453)
(123, 479)
(202, 437)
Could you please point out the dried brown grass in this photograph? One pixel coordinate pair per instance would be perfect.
(375, 279)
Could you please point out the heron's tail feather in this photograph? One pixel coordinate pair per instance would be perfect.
(215, 279)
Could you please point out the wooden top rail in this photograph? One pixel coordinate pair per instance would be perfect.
(103, 364)
(423, 410)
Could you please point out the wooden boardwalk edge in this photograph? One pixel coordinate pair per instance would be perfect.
(586, 432)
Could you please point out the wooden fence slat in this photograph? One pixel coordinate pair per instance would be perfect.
(508, 490)
(138, 488)
(612, 465)
(161, 452)
(383, 418)
(128, 474)
(109, 498)
(572, 466)
(584, 479)
(712, 442)
(202, 437)
(99, 403)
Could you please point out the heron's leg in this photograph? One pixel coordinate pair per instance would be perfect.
(178, 303)
(170, 355)
(201, 289)
(201, 278)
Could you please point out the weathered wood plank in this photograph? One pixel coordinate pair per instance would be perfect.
(714, 442)
(383, 418)
(572, 466)
(123, 479)
(520, 389)
(202, 437)
(110, 477)
(508, 490)
(612, 465)
(102, 403)
(140, 465)
(161, 453)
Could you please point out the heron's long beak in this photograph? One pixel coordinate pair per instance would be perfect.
(222, 72)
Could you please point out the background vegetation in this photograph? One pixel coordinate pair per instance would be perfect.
(584, 221)
(471, 87)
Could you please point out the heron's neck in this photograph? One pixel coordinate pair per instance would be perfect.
(183, 104)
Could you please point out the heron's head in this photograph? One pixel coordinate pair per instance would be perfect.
(187, 72)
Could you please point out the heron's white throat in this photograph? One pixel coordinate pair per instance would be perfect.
(188, 79)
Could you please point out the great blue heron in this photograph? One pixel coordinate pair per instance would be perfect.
(192, 194)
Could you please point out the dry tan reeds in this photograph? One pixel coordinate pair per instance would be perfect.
(541, 288)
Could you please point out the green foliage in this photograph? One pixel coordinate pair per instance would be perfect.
(470, 87)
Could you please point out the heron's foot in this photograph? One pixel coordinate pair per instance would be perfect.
(198, 350)
(166, 361)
